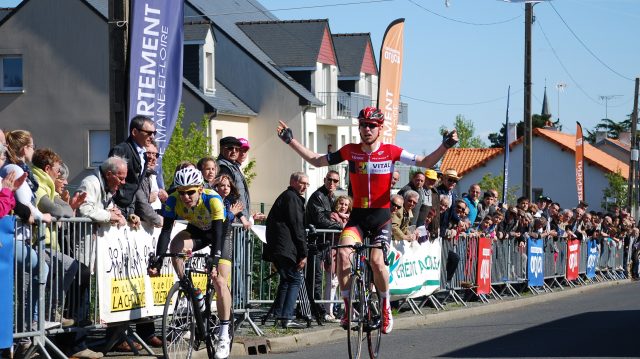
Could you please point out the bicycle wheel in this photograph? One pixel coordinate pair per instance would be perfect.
(374, 321)
(179, 326)
(355, 332)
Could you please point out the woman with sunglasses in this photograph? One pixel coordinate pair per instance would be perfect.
(204, 211)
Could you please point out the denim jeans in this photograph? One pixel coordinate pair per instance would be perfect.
(287, 294)
(27, 280)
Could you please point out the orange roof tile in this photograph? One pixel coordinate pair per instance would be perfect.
(465, 160)
(592, 155)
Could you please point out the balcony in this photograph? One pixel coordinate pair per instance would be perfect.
(342, 108)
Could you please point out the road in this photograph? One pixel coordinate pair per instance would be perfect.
(599, 323)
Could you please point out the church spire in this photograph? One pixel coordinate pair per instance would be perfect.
(545, 105)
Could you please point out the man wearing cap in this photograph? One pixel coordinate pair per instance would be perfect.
(416, 184)
(371, 165)
(449, 181)
(228, 163)
(431, 201)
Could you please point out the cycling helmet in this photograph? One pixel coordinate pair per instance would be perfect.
(372, 115)
(188, 176)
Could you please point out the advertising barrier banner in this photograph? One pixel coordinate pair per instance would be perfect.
(483, 276)
(535, 262)
(573, 253)
(592, 259)
(7, 235)
(414, 268)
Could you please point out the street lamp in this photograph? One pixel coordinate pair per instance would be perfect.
(528, 138)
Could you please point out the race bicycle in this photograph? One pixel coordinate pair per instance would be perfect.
(184, 324)
(364, 310)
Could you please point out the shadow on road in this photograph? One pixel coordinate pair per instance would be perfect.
(593, 334)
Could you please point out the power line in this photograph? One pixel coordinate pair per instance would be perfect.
(457, 104)
(586, 47)
(462, 21)
(293, 8)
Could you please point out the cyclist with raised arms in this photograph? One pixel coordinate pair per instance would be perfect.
(204, 211)
(371, 166)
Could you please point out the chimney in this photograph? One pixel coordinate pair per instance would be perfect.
(512, 132)
(601, 136)
(625, 137)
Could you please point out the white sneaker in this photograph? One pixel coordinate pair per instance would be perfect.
(223, 348)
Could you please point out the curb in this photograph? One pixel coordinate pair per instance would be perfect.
(299, 341)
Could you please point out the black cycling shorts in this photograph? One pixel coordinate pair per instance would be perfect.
(374, 223)
(201, 239)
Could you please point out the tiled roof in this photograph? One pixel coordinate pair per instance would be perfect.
(233, 11)
(4, 11)
(291, 43)
(196, 31)
(465, 160)
(350, 52)
(592, 155)
(624, 146)
(224, 101)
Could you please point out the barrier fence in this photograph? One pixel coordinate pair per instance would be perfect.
(74, 276)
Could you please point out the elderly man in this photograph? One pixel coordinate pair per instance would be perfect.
(472, 198)
(141, 133)
(287, 246)
(395, 177)
(416, 184)
(143, 208)
(100, 188)
(430, 211)
(401, 219)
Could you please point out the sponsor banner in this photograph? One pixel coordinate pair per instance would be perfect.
(155, 70)
(7, 238)
(414, 268)
(579, 162)
(573, 253)
(390, 74)
(592, 258)
(125, 290)
(535, 262)
(483, 276)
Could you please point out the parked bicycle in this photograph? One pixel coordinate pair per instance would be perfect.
(364, 310)
(188, 320)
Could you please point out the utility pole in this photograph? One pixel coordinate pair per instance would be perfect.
(606, 99)
(560, 86)
(118, 79)
(632, 204)
(528, 138)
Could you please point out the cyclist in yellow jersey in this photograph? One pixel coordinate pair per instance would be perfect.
(204, 211)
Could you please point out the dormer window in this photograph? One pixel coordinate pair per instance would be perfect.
(209, 79)
(11, 73)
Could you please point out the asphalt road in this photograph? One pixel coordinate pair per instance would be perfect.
(600, 323)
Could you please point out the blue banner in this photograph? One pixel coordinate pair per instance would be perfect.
(155, 70)
(535, 262)
(7, 225)
(592, 259)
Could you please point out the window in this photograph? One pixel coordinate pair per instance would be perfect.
(99, 143)
(11, 73)
(208, 72)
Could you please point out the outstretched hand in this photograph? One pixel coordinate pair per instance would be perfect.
(450, 139)
(284, 132)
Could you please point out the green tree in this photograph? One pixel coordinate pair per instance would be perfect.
(617, 189)
(489, 181)
(537, 121)
(249, 171)
(190, 148)
(466, 133)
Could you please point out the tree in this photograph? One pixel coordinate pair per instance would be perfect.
(249, 171)
(466, 132)
(613, 129)
(190, 148)
(489, 181)
(617, 190)
(537, 121)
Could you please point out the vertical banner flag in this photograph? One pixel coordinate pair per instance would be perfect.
(579, 162)
(535, 257)
(155, 66)
(592, 259)
(505, 173)
(484, 266)
(390, 75)
(572, 259)
(7, 241)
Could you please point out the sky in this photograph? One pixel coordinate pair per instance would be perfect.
(461, 56)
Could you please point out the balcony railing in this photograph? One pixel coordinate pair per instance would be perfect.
(347, 105)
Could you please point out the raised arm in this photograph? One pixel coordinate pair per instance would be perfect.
(286, 135)
(448, 140)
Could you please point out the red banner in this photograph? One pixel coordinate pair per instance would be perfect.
(579, 162)
(483, 274)
(573, 254)
(390, 76)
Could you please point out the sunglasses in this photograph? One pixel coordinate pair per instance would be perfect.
(370, 126)
(396, 206)
(232, 148)
(152, 154)
(452, 180)
(150, 133)
(332, 180)
(188, 193)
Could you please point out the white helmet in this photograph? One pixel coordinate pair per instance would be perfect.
(188, 176)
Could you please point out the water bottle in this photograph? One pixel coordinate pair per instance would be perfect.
(200, 299)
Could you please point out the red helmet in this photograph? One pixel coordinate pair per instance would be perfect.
(372, 115)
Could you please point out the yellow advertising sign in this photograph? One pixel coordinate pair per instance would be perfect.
(127, 294)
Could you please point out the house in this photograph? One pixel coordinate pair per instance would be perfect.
(619, 148)
(232, 75)
(553, 172)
